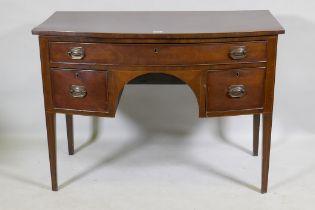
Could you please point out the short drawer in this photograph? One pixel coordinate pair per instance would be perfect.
(235, 89)
(158, 54)
(80, 89)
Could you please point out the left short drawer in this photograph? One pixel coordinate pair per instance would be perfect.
(83, 90)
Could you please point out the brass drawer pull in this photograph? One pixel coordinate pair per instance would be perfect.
(238, 53)
(76, 53)
(236, 91)
(77, 91)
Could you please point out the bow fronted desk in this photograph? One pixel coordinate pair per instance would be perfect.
(228, 59)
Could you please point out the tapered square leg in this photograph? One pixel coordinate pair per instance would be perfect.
(256, 125)
(267, 125)
(69, 122)
(51, 137)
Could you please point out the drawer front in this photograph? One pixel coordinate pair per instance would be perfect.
(80, 89)
(235, 89)
(158, 54)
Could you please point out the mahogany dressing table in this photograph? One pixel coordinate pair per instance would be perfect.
(227, 58)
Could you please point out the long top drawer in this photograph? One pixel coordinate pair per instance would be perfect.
(158, 54)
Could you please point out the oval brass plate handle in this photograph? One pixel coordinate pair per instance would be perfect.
(76, 53)
(238, 53)
(77, 91)
(236, 91)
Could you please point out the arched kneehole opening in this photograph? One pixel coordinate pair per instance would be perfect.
(168, 108)
(191, 79)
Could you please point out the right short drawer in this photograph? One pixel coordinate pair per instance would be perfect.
(236, 89)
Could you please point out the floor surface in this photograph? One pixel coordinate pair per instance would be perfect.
(157, 171)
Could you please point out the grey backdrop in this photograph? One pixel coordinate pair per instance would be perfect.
(21, 107)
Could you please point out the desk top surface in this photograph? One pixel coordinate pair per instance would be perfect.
(161, 24)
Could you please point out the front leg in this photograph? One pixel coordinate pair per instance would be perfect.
(51, 137)
(267, 125)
